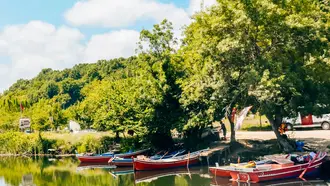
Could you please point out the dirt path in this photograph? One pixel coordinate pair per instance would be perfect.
(321, 134)
(314, 139)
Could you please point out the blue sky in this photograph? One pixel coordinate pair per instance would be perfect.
(37, 34)
(51, 11)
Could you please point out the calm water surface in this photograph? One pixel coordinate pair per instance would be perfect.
(68, 172)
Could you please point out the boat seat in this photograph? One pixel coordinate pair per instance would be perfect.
(264, 167)
(282, 161)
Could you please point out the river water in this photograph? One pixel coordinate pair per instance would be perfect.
(69, 172)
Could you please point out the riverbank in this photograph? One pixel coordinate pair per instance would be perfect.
(318, 140)
(297, 134)
(17, 143)
(52, 144)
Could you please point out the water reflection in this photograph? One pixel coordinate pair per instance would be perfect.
(290, 182)
(35, 172)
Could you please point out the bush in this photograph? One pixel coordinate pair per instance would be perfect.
(106, 142)
(16, 142)
(89, 144)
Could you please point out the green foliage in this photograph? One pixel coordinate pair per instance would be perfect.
(15, 142)
(52, 90)
(89, 144)
(273, 55)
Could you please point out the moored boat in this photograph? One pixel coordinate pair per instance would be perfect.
(169, 155)
(179, 161)
(121, 162)
(94, 158)
(128, 162)
(131, 154)
(282, 169)
(224, 171)
(104, 158)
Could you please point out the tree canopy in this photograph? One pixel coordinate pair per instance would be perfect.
(271, 54)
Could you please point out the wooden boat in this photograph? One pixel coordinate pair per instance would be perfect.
(283, 169)
(104, 158)
(121, 162)
(224, 171)
(180, 161)
(128, 162)
(169, 155)
(94, 158)
(131, 154)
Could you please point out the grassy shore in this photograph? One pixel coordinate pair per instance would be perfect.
(13, 143)
(73, 138)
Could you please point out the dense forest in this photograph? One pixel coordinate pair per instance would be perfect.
(272, 54)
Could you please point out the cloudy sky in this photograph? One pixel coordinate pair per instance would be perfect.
(37, 34)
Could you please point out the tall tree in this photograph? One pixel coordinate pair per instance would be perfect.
(157, 57)
(263, 52)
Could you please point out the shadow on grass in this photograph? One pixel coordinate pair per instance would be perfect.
(257, 128)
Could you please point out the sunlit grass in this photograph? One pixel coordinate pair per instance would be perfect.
(250, 123)
(74, 138)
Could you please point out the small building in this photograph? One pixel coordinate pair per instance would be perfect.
(74, 126)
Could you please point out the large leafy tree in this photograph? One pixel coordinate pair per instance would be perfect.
(262, 52)
(157, 57)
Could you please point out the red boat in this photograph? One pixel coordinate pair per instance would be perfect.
(224, 171)
(284, 168)
(94, 159)
(180, 161)
(104, 158)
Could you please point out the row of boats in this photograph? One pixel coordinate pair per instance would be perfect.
(140, 162)
(271, 167)
(192, 173)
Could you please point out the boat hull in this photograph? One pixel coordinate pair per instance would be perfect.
(275, 174)
(121, 162)
(106, 158)
(221, 172)
(141, 165)
(94, 159)
(224, 171)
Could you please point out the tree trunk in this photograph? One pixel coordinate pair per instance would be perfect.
(232, 131)
(232, 127)
(282, 139)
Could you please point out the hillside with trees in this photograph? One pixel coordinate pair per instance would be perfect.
(272, 54)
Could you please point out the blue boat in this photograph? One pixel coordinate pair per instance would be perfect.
(128, 162)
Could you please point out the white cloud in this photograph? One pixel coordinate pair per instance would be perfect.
(111, 45)
(34, 46)
(26, 49)
(123, 13)
(196, 5)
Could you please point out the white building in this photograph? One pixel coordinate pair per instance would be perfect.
(74, 126)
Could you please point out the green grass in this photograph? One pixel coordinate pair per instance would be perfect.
(251, 123)
(73, 138)
(251, 127)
